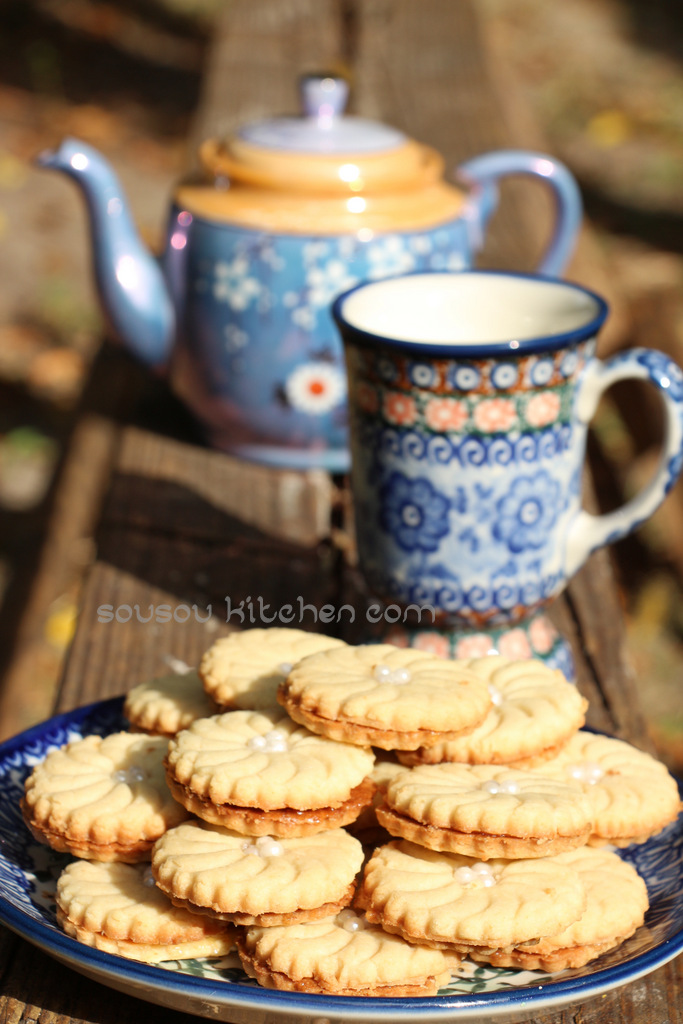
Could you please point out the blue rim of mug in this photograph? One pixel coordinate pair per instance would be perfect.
(481, 350)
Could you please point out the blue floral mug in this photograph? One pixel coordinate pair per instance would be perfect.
(470, 396)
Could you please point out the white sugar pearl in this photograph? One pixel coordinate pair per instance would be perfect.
(465, 876)
(495, 694)
(276, 741)
(248, 847)
(148, 878)
(487, 881)
(586, 771)
(257, 743)
(481, 868)
(400, 676)
(491, 786)
(511, 787)
(382, 673)
(266, 846)
(129, 775)
(350, 921)
(285, 667)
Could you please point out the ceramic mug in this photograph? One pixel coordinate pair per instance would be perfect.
(470, 396)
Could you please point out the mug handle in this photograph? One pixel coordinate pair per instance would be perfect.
(481, 174)
(589, 532)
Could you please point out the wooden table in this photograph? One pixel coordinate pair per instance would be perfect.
(175, 523)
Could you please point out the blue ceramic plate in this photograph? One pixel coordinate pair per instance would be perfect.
(219, 989)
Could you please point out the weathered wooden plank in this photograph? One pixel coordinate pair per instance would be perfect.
(409, 51)
(260, 49)
(28, 689)
(163, 484)
(243, 580)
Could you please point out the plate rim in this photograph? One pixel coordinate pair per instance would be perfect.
(149, 977)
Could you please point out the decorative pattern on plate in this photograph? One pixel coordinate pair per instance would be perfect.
(28, 872)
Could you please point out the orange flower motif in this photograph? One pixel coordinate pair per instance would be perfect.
(433, 643)
(399, 409)
(543, 408)
(495, 414)
(514, 645)
(446, 414)
(542, 634)
(476, 646)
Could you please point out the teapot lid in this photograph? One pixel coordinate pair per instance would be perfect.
(323, 128)
(321, 172)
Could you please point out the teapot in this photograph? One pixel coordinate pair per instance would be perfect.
(283, 217)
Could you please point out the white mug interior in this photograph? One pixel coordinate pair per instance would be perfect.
(469, 308)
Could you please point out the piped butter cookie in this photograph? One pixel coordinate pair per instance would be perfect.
(393, 698)
(260, 773)
(534, 712)
(119, 909)
(264, 880)
(486, 811)
(164, 706)
(243, 670)
(342, 956)
(102, 799)
(633, 795)
(616, 901)
(457, 903)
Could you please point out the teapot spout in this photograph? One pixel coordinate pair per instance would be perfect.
(130, 282)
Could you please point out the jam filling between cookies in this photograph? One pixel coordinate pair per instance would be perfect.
(361, 796)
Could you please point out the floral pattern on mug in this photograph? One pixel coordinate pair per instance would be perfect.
(543, 408)
(528, 511)
(514, 644)
(477, 645)
(542, 634)
(495, 414)
(399, 409)
(414, 512)
(442, 414)
(433, 643)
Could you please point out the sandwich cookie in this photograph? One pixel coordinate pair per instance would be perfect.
(102, 799)
(390, 697)
(118, 908)
(465, 905)
(259, 773)
(486, 811)
(342, 956)
(266, 880)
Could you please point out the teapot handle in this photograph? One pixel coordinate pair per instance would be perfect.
(483, 172)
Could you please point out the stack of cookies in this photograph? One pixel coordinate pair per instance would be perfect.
(246, 818)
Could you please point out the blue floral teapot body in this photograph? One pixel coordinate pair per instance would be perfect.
(289, 213)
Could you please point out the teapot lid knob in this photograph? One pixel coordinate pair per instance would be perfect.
(323, 97)
(323, 129)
